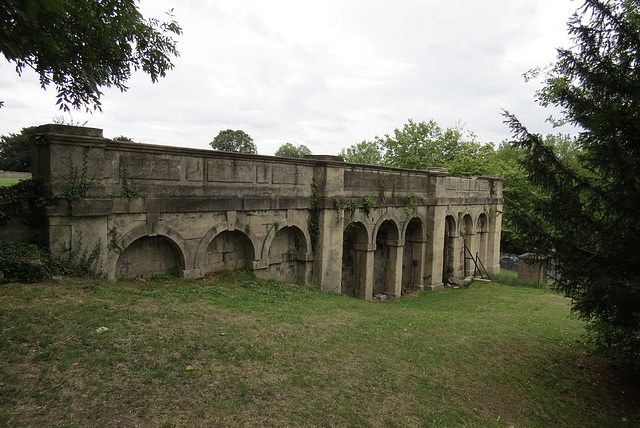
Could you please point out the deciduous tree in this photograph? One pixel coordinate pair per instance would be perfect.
(426, 144)
(520, 196)
(234, 141)
(365, 152)
(82, 46)
(288, 150)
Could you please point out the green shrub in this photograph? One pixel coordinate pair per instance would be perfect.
(23, 200)
(20, 262)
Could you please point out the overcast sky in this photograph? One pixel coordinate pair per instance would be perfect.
(326, 74)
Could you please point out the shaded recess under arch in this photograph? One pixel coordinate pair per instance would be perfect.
(229, 250)
(385, 258)
(354, 253)
(413, 255)
(148, 256)
(286, 258)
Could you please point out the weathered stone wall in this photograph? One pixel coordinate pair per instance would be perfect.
(155, 209)
(15, 175)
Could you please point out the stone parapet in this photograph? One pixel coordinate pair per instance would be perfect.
(356, 229)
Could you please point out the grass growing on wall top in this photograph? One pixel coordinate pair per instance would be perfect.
(238, 351)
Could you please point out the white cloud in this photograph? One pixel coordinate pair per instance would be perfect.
(326, 74)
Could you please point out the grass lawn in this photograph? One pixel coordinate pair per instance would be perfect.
(237, 351)
(6, 182)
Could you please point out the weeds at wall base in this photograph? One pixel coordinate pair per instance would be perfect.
(22, 262)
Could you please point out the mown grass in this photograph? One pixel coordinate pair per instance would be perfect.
(238, 351)
(6, 182)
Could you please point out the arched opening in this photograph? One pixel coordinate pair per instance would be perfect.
(229, 250)
(413, 255)
(286, 256)
(448, 268)
(384, 263)
(149, 256)
(354, 265)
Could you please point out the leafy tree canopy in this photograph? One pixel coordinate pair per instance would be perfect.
(520, 196)
(426, 144)
(81, 46)
(586, 213)
(288, 150)
(15, 150)
(366, 152)
(234, 141)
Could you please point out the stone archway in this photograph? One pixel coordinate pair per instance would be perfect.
(229, 250)
(149, 256)
(355, 252)
(386, 274)
(413, 257)
(286, 256)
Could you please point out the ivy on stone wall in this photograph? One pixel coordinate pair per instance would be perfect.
(313, 221)
(367, 204)
(352, 207)
(412, 204)
(337, 206)
(24, 262)
(78, 183)
(113, 237)
(388, 181)
(24, 200)
(129, 188)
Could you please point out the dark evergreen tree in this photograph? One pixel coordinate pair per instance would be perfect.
(15, 150)
(585, 220)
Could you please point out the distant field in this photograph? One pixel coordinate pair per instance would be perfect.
(4, 182)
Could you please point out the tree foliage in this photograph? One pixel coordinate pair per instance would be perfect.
(586, 217)
(123, 138)
(365, 152)
(15, 150)
(81, 46)
(426, 144)
(234, 141)
(288, 150)
(520, 195)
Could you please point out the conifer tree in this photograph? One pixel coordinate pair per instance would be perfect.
(586, 219)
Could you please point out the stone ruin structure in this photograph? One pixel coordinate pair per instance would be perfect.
(360, 230)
